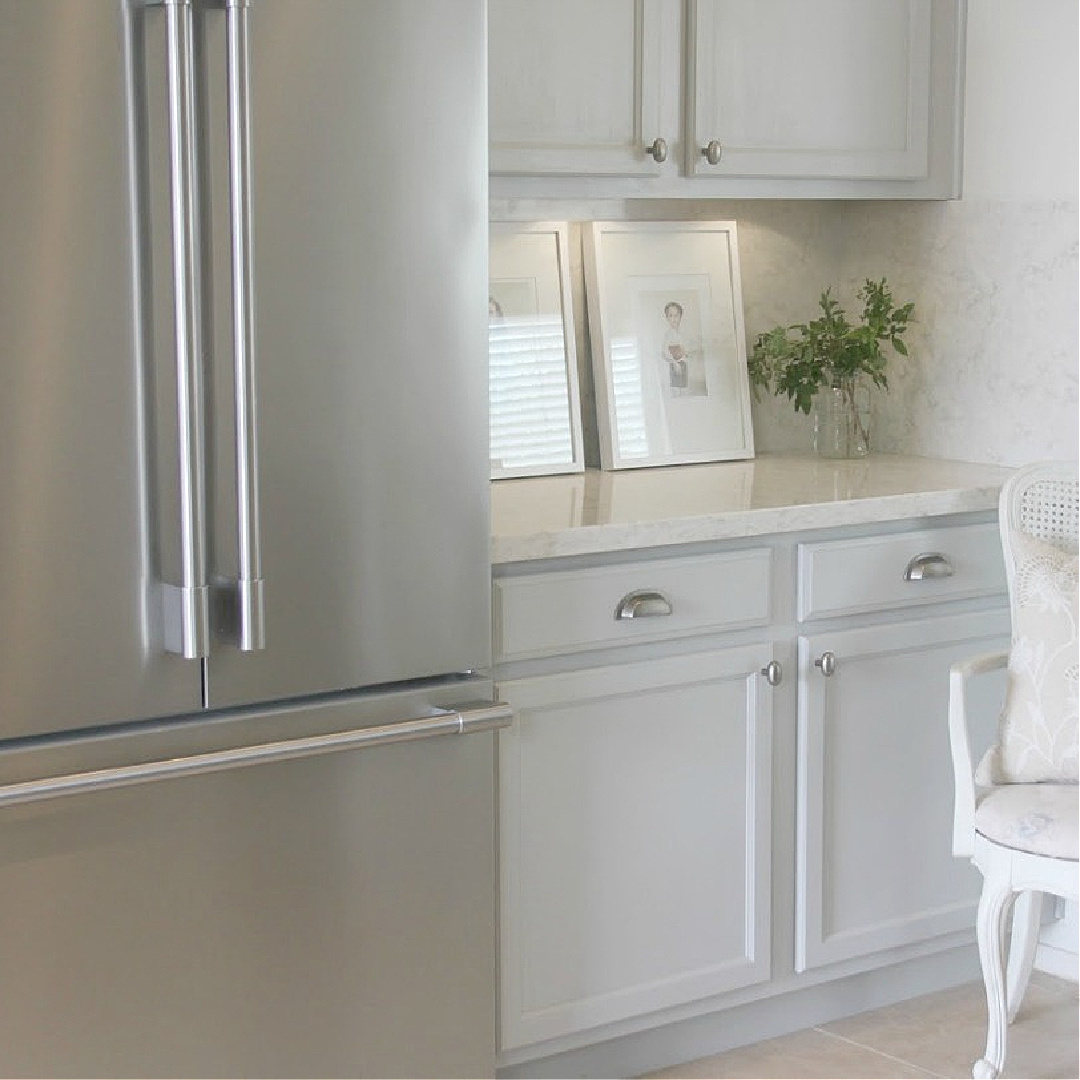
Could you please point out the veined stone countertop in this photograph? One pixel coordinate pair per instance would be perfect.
(594, 512)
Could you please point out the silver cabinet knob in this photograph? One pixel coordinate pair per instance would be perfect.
(827, 662)
(930, 564)
(773, 672)
(658, 150)
(643, 604)
(712, 152)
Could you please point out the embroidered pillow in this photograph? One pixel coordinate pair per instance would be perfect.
(1037, 730)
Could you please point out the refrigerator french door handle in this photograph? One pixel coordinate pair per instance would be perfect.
(251, 629)
(186, 606)
(444, 722)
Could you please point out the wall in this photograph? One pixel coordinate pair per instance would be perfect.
(993, 371)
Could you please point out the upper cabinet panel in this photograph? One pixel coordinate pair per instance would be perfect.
(832, 88)
(748, 98)
(583, 89)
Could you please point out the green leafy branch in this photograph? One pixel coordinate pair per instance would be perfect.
(800, 359)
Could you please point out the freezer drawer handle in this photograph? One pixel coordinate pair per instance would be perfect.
(443, 722)
(186, 606)
(251, 631)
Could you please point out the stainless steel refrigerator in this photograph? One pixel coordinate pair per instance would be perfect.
(246, 729)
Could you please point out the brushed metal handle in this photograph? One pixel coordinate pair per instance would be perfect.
(442, 722)
(186, 606)
(657, 150)
(251, 627)
(712, 151)
(827, 662)
(930, 564)
(643, 604)
(773, 672)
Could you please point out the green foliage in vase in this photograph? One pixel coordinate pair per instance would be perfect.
(801, 359)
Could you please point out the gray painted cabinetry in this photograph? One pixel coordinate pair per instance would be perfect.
(740, 793)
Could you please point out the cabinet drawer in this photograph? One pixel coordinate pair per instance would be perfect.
(843, 577)
(547, 613)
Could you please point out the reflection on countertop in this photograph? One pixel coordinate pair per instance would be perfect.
(594, 512)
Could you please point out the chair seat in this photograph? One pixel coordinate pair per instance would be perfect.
(1038, 818)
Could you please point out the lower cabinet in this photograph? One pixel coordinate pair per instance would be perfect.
(875, 868)
(649, 858)
(634, 839)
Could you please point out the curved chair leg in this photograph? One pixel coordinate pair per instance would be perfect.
(1025, 937)
(994, 906)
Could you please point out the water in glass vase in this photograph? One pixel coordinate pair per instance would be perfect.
(842, 420)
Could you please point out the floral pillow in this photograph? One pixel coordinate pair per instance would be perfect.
(1037, 730)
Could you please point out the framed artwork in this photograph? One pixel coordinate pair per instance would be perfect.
(534, 398)
(668, 345)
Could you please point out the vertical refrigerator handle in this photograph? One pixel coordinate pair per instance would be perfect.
(251, 630)
(186, 606)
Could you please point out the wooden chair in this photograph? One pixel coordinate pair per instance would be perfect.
(1016, 815)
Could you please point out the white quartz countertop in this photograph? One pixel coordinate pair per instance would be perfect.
(594, 512)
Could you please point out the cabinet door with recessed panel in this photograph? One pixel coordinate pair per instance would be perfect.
(634, 839)
(828, 90)
(584, 88)
(875, 869)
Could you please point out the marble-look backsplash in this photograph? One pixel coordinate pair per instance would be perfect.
(992, 371)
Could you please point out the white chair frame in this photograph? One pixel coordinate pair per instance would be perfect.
(1013, 880)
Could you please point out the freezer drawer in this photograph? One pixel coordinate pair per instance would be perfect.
(326, 916)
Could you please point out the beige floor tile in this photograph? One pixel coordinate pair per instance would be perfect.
(946, 1032)
(1055, 985)
(812, 1054)
(939, 1035)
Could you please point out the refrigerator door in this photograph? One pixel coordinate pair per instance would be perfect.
(369, 255)
(331, 915)
(88, 447)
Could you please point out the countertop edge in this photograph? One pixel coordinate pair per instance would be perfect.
(734, 524)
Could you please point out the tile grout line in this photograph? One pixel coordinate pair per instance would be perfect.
(880, 1053)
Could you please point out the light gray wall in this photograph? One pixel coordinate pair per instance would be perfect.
(993, 371)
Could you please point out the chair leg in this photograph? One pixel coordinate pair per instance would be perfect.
(994, 907)
(1025, 937)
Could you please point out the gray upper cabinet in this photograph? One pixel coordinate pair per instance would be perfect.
(726, 98)
(585, 89)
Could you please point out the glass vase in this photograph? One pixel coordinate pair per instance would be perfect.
(842, 419)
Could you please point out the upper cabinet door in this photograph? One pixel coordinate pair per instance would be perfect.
(584, 89)
(753, 98)
(829, 89)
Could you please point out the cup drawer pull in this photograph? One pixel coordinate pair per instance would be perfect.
(931, 564)
(643, 604)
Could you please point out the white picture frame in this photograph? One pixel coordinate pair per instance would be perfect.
(668, 343)
(534, 395)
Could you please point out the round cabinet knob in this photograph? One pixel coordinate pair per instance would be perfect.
(658, 150)
(712, 152)
(773, 672)
(827, 662)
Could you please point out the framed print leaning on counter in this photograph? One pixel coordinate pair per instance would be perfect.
(668, 344)
(535, 409)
